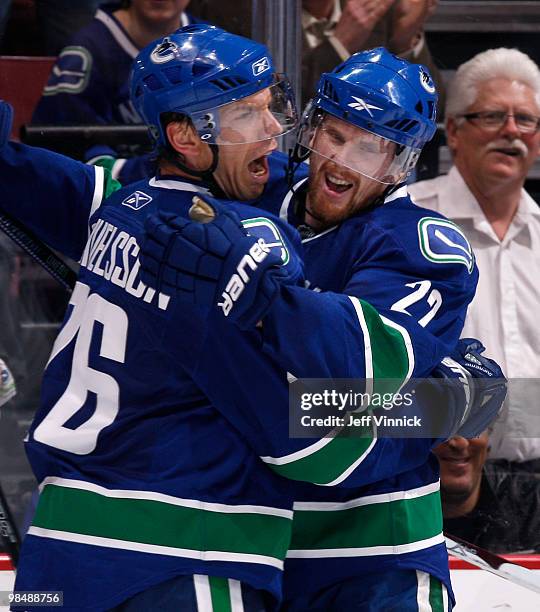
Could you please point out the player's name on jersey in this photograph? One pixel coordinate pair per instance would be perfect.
(113, 254)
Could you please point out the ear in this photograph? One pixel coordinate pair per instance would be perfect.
(451, 133)
(184, 139)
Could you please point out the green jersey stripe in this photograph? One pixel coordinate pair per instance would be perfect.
(328, 463)
(220, 594)
(365, 500)
(157, 523)
(169, 499)
(391, 355)
(388, 354)
(392, 524)
(436, 595)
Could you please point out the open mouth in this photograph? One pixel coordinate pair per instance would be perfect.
(259, 167)
(336, 184)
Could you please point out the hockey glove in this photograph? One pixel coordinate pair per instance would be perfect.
(6, 121)
(478, 387)
(212, 263)
(489, 385)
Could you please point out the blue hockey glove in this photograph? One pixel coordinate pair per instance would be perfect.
(6, 121)
(482, 390)
(212, 263)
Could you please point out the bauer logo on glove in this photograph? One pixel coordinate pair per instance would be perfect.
(237, 283)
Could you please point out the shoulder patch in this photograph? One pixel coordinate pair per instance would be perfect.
(442, 242)
(261, 227)
(137, 200)
(71, 72)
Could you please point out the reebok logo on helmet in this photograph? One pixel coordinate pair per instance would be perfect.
(260, 66)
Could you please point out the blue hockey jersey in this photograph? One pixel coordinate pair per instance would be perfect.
(393, 266)
(89, 84)
(152, 417)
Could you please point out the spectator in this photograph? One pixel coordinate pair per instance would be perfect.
(60, 19)
(492, 120)
(89, 82)
(488, 504)
(335, 29)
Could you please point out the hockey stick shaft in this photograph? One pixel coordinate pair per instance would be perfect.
(492, 563)
(38, 251)
(9, 535)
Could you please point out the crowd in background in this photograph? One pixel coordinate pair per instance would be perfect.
(490, 485)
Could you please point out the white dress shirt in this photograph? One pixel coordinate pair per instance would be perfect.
(505, 313)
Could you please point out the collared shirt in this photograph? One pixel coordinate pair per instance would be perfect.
(505, 312)
(316, 30)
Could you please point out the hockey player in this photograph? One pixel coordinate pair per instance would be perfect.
(89, 83)
(149, 479)
(377, 261)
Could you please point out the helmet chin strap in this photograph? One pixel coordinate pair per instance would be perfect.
(206, 176)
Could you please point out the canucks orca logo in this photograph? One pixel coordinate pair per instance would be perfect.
(137, 200)
(71, 72)
(426, 82)
(260, 66)
(165, 51)
(442, 241)
(260, 227)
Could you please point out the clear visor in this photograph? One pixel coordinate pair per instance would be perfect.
(345, 144)
(267, 114)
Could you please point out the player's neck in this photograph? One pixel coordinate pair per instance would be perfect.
(143, 32)
(169, 169)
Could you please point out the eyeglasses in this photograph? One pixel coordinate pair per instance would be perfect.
(493, 120)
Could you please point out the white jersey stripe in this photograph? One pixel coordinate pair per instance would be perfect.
(368, 551)
(116, 32)
(153, 549)
(202, 593)
(422, 592)
(167, 499)
(99, 189)
(178, 185)
(117, 167)
(368, 500)
(400, 193)
(235, 589)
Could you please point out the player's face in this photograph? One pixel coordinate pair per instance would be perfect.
(158, 11)
(242, 170)
(335, 191)
(492, 158)
(461, 464)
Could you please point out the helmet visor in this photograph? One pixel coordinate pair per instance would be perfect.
(266, 114)
(378, 158)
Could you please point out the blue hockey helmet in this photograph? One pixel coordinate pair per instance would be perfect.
(390, 99)
(205, 73)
